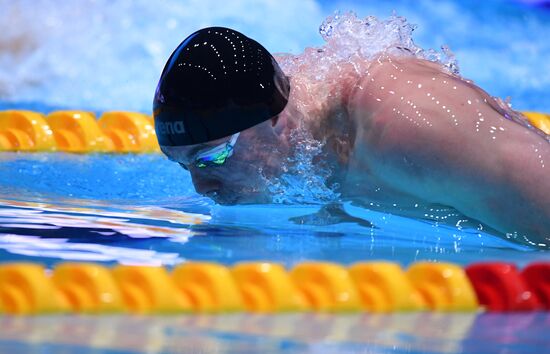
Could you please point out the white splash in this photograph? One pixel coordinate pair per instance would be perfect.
(304, 182)
(347, 35)
(108, 55)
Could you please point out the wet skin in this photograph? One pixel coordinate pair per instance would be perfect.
(406, 132)
(432, 136)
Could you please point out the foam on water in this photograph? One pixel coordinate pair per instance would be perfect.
(347, 35)
(351, 44)
(303, 182)
(105, 55)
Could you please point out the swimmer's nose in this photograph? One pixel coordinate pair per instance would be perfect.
(206, 186)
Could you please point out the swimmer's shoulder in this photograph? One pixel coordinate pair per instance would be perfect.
(393, 67)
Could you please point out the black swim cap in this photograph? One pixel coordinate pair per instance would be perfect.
(216, 83)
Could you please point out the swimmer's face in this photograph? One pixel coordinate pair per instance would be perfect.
(257, 157)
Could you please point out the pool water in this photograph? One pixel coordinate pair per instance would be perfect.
(399, 333)
(142, 209)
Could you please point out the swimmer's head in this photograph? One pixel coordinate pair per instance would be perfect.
(218, 82)
(216, 111)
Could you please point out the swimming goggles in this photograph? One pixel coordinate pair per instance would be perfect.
(215, 156)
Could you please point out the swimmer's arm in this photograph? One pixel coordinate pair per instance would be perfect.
(526, 173)
(445, 150)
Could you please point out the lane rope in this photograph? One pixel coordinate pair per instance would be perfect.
(264, 287)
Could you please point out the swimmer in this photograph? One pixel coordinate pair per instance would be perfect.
(395, 129)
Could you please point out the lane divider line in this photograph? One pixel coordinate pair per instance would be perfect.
(264, 287)
(77, 132)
